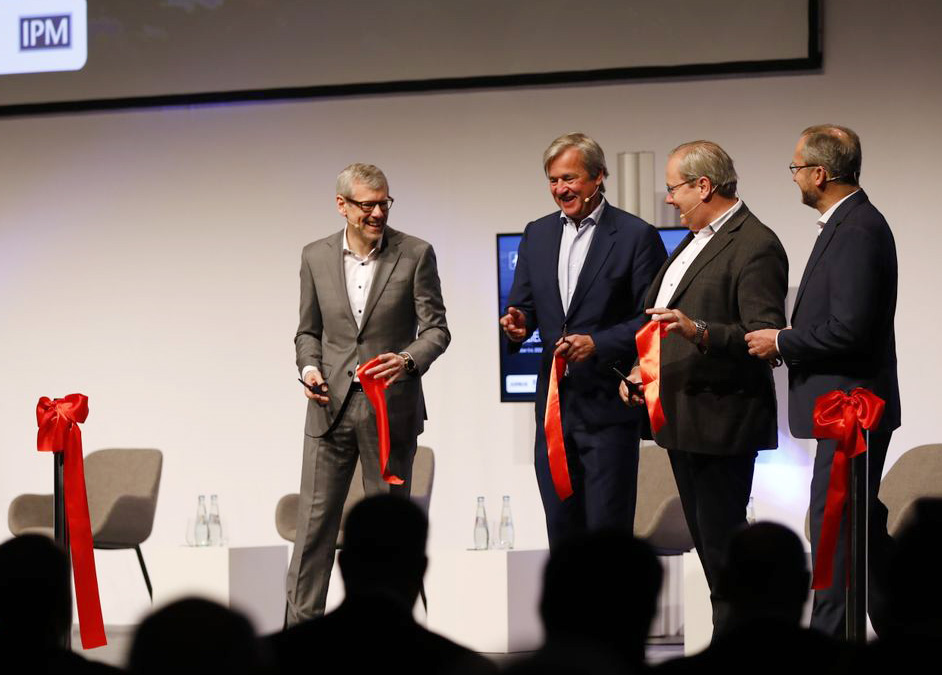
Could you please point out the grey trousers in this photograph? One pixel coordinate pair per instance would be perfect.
(326, 472)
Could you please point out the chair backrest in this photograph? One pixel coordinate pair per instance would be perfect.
(423, 476)
(916, 474)
(122, 486)
(659, 518)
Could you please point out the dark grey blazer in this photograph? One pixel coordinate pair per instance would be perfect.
(842, 333)
(404, 312)
(722, 402)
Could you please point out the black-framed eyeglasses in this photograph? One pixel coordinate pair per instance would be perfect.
(671, 188)
(795, 168)
(367, 207)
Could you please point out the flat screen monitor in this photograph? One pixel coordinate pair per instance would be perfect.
(518, 371)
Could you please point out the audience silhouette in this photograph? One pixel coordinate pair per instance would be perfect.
(600, 593)
(382, 563)
(36, 609)
(765, 581)
(910, 641)
(196, 636)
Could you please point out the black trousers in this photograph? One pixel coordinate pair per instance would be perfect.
(714, 492)
(827, 614)
(603, 468)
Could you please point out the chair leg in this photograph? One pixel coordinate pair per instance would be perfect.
(140, 559)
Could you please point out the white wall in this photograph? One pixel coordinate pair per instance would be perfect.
(150, 260)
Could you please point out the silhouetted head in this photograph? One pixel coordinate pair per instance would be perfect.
(384, 548)
(601, 588)
(766, 574)
(914, 584)
(35, 596)
(195, 636)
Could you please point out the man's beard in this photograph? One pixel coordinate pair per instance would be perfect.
(809, 198)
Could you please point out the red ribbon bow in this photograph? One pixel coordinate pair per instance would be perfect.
(840, 416)
(374, 389)
(648, 338)
(58, 421)
(553, 428)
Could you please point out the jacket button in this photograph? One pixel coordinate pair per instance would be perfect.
(349, 373)
(359, 340)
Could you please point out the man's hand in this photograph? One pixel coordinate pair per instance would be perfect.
(575, 348)
(390, 367)
(761, 343)
(514, 325)
(314, 377)
(677, 322)
(627, 396)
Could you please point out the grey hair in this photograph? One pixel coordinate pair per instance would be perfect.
(366, 174)
(836, 149)
(592, 156)
(707, 159)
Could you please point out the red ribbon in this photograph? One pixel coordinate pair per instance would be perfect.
(59, 431)
(648, 338)
(840, 416)
(374, 389)
(553, 428)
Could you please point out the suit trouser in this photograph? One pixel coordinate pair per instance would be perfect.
(603, 470)
(326, 472)
(828, 611)
(714, 493)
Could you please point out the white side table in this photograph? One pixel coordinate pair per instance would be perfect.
(250, 579)
(486, 600)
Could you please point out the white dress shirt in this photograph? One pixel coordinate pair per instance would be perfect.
(573, 248)
(683, 261)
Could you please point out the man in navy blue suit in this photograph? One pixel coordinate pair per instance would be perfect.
(841, 337)
(581, 277)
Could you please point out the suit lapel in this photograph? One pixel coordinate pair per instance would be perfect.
(717, 243)
(821, 243)
(385, 264)
(336, 274)
(599, 249)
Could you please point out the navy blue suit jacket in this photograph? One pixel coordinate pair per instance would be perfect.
(607, 304)
(842, 333)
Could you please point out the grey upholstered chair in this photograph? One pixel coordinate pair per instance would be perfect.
(916, 474)
(423, 477)
(122, 485)
(659, 517)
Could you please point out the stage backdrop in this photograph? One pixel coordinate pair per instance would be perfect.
(150, 260)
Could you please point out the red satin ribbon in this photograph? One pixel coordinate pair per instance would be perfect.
(59, 431)
(374, 389)
(840, 416)
(648, 338)
(553, 428)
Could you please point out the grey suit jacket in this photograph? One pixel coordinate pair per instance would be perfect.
(722, 402)
(404, 312)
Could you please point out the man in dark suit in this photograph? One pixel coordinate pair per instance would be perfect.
(580, 279)
(841, 337)
(727, 277)
(382, 562)
(366, 291)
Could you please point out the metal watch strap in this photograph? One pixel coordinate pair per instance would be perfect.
(701, 329)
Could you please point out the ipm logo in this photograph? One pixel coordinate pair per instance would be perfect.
(45, 32)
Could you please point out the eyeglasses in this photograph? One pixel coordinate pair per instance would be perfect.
(671, 188)
(795, 168)
(367, 207)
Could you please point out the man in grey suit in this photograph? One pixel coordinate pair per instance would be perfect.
(366, 292)
(727, 277)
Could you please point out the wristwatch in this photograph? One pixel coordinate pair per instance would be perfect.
(701, 329)
(409, 361)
